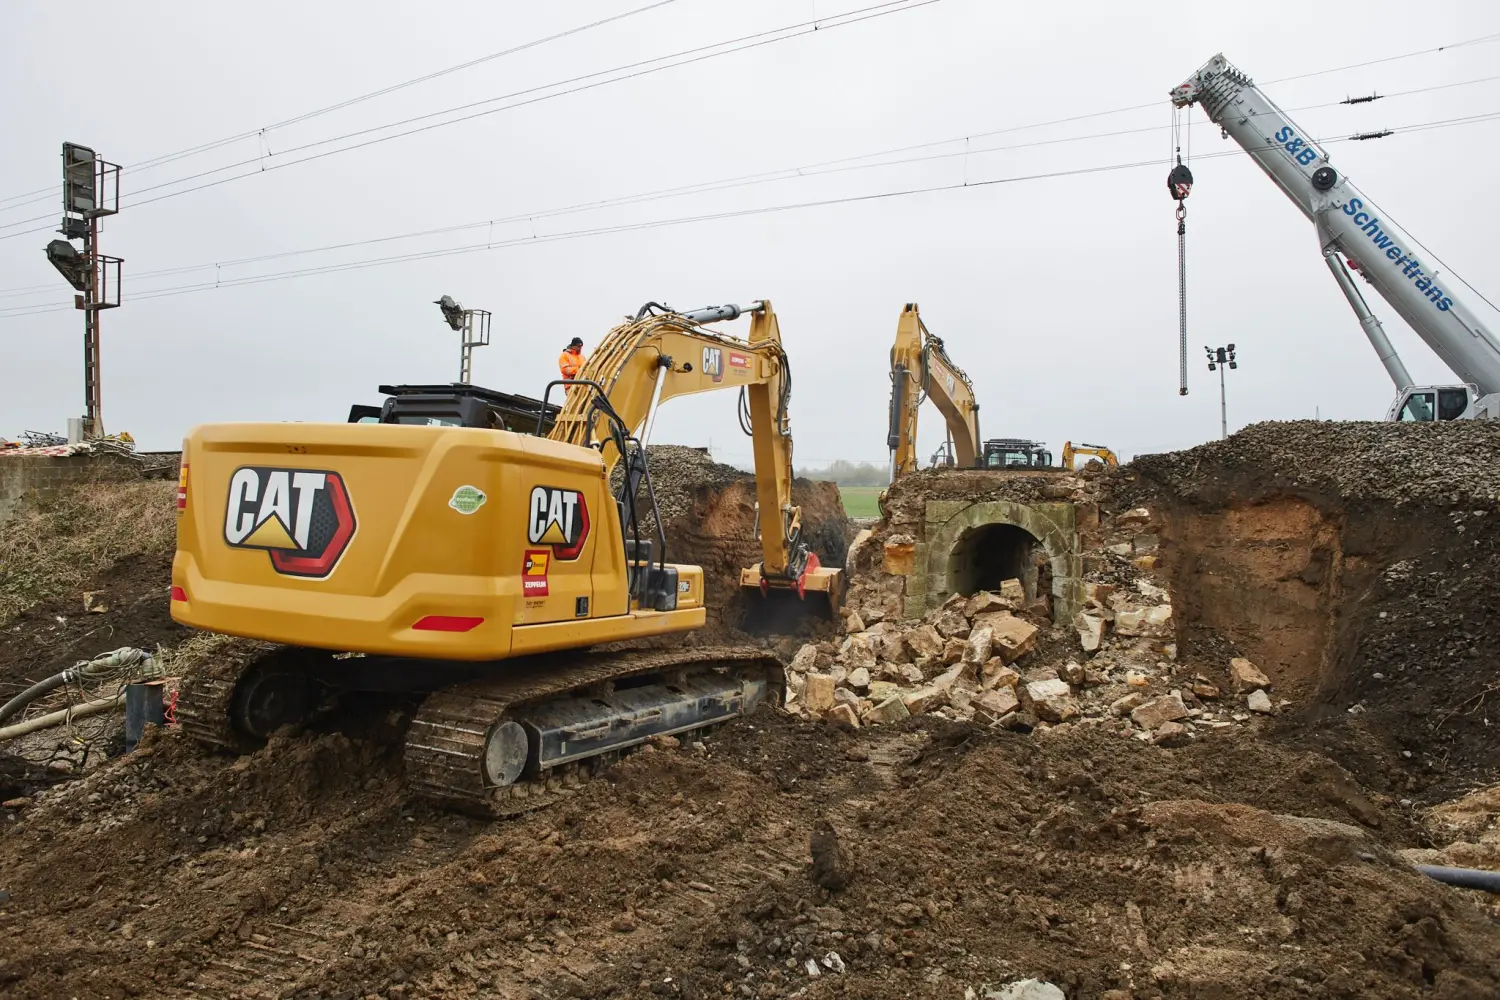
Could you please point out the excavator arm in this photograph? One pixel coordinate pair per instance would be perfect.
(661, 354)
(921, 369)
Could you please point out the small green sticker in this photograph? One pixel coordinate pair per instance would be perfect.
(467, 499)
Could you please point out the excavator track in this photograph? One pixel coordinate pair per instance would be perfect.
(206, 697)
(447, 741)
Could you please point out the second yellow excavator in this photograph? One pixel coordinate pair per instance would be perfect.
(921, 369)
(434, 547)
(1097, 451)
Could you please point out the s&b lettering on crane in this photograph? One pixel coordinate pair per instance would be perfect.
(1296, 145)
(1410, 267)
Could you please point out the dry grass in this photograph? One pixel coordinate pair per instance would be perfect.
(51, 549)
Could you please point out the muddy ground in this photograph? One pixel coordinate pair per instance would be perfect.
(1261, 861)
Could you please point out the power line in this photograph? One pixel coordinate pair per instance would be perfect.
(685, 220)
(151, 164)
(637, 69)
(821, 168)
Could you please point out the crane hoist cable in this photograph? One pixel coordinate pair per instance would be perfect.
(1180, 185)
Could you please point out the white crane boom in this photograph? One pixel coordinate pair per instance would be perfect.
(1350, 228)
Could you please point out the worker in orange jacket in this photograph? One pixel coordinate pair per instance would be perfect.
(570, 361)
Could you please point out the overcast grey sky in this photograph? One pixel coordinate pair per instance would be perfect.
(1057, 295)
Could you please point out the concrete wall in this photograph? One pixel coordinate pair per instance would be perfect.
(44, 476)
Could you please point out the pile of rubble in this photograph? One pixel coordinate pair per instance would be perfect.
(992, 658)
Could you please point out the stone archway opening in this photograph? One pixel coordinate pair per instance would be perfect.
(986, 554)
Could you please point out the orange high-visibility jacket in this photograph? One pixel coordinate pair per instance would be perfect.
(570, 362)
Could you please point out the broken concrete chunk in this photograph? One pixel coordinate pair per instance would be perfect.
(881, 690)
(986, 602)
(805, 660)
(857, 652)
(817, 695)
(922, 699)
(1167, 708)
(1011, 590)
(1014, 638)
(846, 696)
(1097, 593)
(980, 641)
(1259, 701)
(954, 649)
(1127, 704)
(1136, 515)
(924, 641)
(859, 677)
(951, 624)
(893, 709)
(843, 715)
(1090, 631)
(996, 674)
(994, 705)
(1205, 690)
(988, 619)
(1073, 673)
(1170, 734)
(1052, 700)
(853, 622)
(893, 648)
(1155, 622)
(1119, 549)
(1246, 676)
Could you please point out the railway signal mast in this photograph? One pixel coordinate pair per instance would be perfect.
(91, 190)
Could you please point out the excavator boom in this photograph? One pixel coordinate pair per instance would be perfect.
(921, 369)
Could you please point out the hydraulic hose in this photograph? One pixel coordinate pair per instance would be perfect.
(34, 692)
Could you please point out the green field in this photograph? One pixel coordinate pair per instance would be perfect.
(861, 501)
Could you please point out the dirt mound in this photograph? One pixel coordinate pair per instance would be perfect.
(1355, 563)
(708, 512)
(301, 871)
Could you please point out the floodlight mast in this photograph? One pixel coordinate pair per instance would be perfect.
(473, 325)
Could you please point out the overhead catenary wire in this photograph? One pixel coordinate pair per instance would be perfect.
(700, 53)
(628, 71)
(162, 160)
(803, 171)
(700, 218)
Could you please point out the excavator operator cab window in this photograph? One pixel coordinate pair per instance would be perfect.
(1419, 407)
(1452, 403)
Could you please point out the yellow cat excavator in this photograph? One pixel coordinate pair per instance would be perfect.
(921, 369)
(460, 558)
(1097, 451)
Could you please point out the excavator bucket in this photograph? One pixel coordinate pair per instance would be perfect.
(778, 605)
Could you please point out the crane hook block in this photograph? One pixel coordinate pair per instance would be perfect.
(1180, 181)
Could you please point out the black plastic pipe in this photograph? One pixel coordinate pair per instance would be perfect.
(1466, 878)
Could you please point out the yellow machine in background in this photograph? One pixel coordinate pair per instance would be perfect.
(436, 545)
(1098, 451)
(921, 369)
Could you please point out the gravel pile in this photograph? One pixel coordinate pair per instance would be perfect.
(1452, 463)
(678, 472)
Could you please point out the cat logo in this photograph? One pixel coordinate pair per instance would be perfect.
(534, 573)
(713, 363)
(302, 517)
(559, 518)
(952, 385)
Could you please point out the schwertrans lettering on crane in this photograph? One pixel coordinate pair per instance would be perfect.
(1411, 267)
(1306, 155)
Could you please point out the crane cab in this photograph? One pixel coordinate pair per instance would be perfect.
(1430, 403)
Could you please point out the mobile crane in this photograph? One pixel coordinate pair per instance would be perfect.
(470, 549)
(921, 369)
(1353, 233)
